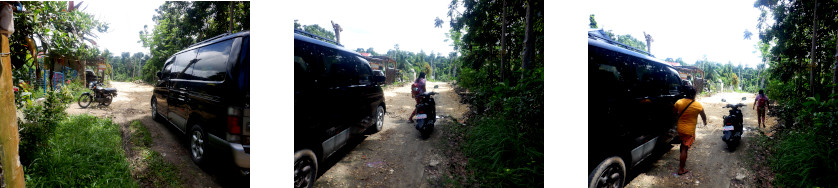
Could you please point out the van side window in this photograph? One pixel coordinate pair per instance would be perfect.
(611, 69)
(341, 68)
(652, 79)
(307, 65)
(168, 68)
(364, 71)
(212, 61)
(673, 81)
(182, 61)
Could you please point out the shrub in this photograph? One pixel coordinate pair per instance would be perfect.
(505, 143)
(41, 122)
(804, 154)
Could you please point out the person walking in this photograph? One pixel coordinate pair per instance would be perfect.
(687, 111)
(761, 105)
(417, 88)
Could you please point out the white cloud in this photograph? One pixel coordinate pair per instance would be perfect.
(687, 29)
(126, 20)
(380, 23)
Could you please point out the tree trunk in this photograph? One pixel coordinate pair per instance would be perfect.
(51, 73)
(529, 41)
(835, 66)
(503, 44)
(812, 58)
(12, 169)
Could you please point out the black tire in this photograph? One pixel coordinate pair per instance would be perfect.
(154, 115)
(107, 100)
(611, 172)
(197, 145)
(85, 99)
(378, 124)
(305, 168)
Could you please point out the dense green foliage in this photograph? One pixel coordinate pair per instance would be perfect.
(435, 65)
(126, 67)
(733, 78)
(85, 152)
(183, 23)
(799, 80)
(62, 34)
(317, 30)
(505, 137)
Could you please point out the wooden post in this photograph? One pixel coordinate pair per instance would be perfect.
(9, 138)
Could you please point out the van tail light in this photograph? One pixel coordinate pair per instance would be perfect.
(234, 124)
(728, 124)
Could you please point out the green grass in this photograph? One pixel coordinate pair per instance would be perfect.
(85, 152)
(501, 154)
(802, 158)
(155, 170)
(140, 137)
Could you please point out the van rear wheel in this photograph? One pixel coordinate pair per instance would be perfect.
(197, 145)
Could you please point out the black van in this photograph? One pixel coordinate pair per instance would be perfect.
(204, 91)
(337, 96)
(630, 108)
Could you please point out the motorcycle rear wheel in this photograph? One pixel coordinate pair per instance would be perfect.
(85, 100)
(107, 100)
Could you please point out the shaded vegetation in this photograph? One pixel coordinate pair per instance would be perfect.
(800, 46)
(504, 79)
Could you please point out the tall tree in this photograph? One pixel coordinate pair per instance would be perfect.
(812, 59)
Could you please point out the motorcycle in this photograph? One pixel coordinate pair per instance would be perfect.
(104, 96)
(733, 127)
(426, 113)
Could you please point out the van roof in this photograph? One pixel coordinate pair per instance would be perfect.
(595, 39)
(215, 39)
(322, 43)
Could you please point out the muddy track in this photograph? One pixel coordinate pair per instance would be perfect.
(132, 103)
(397, 156)
(709, 162)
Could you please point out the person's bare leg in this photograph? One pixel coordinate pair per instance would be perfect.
(410, 119)
(681, 165)
(762, 118)
(759, 120)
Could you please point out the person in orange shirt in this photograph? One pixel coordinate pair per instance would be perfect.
(687, 111)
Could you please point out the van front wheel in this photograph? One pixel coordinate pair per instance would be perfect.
(611, 172)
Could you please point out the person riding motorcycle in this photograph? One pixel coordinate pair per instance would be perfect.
(419, 86)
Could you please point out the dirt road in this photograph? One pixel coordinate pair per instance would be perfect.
(709, 162)
(132, 103)
(396, 156)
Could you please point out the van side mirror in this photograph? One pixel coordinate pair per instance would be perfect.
(159, 75)
(723, 100)
(436, 86)
(744, 98)
(378, 76)
(378, 79)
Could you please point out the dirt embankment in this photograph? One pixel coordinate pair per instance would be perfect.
(397, 156)
(132, 103)
(709, 162)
